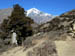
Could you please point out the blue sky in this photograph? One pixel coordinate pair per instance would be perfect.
(55, 7)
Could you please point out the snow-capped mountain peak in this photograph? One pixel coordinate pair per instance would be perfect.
(38, 16)
(33, 10)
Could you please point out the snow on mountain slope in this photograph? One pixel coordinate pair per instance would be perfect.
(38, 16)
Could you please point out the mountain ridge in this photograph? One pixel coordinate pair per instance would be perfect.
(35, 14)
(39, 16)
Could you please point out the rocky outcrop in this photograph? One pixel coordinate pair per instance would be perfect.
(62, 22)
(47, 48)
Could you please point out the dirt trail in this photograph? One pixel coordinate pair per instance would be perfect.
(18, 51)
(65, 48)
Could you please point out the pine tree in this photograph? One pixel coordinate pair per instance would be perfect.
(19, 22)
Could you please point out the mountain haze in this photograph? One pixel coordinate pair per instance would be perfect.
(4, 13)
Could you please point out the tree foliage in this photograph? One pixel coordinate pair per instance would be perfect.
(19, 22)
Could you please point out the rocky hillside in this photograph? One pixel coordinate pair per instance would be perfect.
(62, 22)
(44, 44)
(54, 38)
